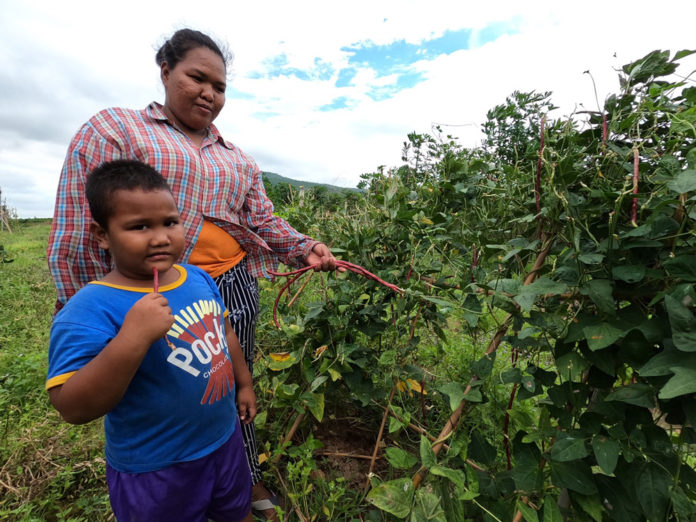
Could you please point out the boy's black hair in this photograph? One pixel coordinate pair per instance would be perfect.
(115, 175)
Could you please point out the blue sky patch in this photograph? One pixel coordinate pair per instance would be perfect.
(389, 58)
(277, 66)
(264, 115)
(338, 103)
(236, 94)
(395, 59)
(345, 76)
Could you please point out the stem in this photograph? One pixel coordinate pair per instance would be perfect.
(538, 178)
(506, 422)
(634, 205)
(506, 425)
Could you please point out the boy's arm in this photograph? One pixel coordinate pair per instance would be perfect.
(246, 399)
(96, 388)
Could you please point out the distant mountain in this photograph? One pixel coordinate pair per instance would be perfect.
(275, 179)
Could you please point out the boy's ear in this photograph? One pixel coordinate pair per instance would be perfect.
(100, 234)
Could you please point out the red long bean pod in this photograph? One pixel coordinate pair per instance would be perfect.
(296, 274)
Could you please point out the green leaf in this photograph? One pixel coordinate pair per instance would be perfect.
(473, 395)
(456, 476)
(286, 391)
(571, 366)
(637, 394)
(568, 448)
(652, 487)
(629, 273)
(528, 383)
(682, 267)
(399, 458)
(602, 335)
(576, 476)
(683, 383)
(591, 259)
(394, 497)
(427, 455)
(455, 392)
(682, 504)
(528, 513)
(395, 425)
(426, 508)
(542, 286)
(592, 505)
(484, 366)
(480, 450)
(318, 382)
(606, 451)
(528, 477)
(511, 375)
(664, 363)
(283, 363)
(601, 293)
(684, 182)
(683, 325)
(552, 513)
(440, 302)
(315, 404)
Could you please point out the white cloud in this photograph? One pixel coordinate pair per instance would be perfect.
(62, 61)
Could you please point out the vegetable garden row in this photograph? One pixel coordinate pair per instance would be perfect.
(562, 251)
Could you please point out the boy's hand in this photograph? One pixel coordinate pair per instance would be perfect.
(246, 404)
(149, 319)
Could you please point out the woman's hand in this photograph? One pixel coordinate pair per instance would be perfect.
(323, 258)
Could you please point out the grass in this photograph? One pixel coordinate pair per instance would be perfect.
(50, 469)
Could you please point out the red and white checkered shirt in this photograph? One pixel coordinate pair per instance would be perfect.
(217, 181)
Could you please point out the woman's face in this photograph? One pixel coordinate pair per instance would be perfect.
(194, 90)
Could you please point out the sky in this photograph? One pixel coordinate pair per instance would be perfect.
(321, 91)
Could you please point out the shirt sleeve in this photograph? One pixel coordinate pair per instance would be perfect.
(257, 214)
(72, 345)
(74, 258)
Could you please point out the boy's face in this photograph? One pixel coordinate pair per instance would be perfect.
(144, 231)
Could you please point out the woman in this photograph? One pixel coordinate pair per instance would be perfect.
(231, 231)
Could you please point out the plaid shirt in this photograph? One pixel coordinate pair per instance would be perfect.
(217, 181)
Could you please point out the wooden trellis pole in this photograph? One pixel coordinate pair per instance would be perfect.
(4, 219)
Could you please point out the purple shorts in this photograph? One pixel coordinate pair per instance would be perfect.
(216, 487)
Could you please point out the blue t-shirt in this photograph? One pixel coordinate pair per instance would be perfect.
(180, 404)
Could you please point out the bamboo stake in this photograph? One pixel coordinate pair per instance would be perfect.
(297, 294)
(325, 453)
(295, 507)
(290, 434)
(379, 439)
(431, 438)
(453, 421)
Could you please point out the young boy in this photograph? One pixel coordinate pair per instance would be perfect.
(161, 363)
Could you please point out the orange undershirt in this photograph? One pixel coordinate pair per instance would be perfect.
(215, 250)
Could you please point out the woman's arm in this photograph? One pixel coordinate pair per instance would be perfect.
(286, 242)
(74, 258)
